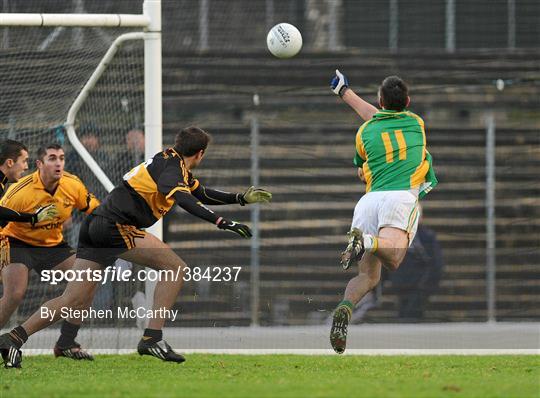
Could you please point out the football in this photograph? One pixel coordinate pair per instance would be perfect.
(284, 40)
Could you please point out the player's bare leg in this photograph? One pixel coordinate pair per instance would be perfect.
(78, 295)
(152, 252)
(369, 274)
(390, 246)
(388, 249)
(66, 346)
(15, 282)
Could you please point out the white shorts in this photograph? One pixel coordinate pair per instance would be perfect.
(397, 209)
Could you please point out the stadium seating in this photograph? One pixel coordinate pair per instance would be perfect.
(315, 191)
(306, 161)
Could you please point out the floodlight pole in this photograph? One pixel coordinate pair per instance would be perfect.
(490, 218)
(255, 218)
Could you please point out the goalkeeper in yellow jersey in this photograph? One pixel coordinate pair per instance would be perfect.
(393, 161)
(41, 246)
(13, 163)
(115, 229)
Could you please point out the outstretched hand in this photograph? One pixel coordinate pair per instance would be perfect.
(339, 83)
(45, 213)
(255, 195)
(240, 229)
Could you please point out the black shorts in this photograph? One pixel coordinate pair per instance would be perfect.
(36, 257)
(102, 240)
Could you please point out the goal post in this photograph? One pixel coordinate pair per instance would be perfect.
(72, 113)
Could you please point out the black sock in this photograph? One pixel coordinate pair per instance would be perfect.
(68, 332)
(18, 336)
(152, 335)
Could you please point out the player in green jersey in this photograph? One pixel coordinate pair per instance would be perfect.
(392, 160)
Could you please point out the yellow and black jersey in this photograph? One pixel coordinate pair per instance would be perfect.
(153, 187)
(29, 194)
(147, 193)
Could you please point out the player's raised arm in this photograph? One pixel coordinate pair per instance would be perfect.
(340, 86)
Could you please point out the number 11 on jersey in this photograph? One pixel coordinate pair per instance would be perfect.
(402, 146)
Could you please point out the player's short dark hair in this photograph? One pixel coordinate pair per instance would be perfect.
(42, 151)
(191, 140)
(11, 149)
(394, 93)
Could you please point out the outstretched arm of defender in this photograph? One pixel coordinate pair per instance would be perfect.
(209, 196)
(189, 203)
(340, 86)
(42, 214)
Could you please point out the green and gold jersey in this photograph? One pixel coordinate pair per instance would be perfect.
(391, 149)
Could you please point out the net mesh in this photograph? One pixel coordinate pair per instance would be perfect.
(43, 72)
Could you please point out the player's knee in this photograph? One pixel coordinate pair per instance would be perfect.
(373, 281)
(75, 301)
(178, 268)
(393, 264)
(15, 296)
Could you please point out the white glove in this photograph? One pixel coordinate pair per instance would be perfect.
(339, 83)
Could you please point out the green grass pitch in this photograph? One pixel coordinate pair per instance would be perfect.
(276, 376)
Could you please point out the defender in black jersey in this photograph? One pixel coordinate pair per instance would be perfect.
(147, 193)
(115, 229)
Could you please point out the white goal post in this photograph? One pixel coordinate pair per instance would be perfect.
(150, 22)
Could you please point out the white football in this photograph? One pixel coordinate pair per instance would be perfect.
(284, 40)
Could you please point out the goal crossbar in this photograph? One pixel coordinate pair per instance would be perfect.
(79, 20)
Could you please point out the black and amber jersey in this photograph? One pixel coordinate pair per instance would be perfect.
(147, 193)
(29, 194)
(150, 190)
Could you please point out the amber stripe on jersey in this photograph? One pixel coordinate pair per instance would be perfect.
(129, 233)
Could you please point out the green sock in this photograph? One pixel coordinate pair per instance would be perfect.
(348, 305)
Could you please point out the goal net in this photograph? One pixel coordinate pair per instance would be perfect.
(44, 71)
